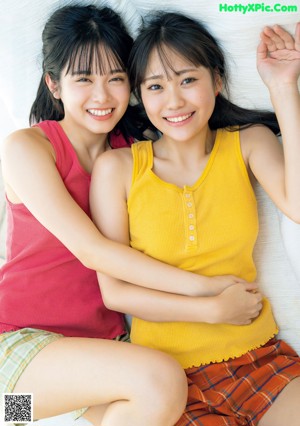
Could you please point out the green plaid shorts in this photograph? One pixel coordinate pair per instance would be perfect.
(17, 349)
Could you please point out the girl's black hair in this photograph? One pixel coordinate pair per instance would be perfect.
(190, 39)
(71, 40)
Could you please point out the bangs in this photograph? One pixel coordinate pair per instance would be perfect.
(141, 57)
(93, 58)
(163, 51)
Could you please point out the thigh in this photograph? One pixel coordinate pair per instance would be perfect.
(71, 373)
(285, 409)
(17, 349)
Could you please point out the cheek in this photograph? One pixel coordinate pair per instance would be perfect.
(123, 96)
(73, 96)
(152, 105)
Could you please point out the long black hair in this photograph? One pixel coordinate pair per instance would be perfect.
(71, 40)
(190, 39)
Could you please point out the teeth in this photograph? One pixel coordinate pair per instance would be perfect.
(99, 112)
(178, 119)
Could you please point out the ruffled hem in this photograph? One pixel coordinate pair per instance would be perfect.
(6, 328)
(227, 357)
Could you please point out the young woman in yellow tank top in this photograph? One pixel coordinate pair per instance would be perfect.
(187, 200)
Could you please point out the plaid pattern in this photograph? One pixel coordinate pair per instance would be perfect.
(17, 349)
(241, 390)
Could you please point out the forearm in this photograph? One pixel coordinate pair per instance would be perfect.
(124, 263)
(235, 305)
(286, 102)
(153, 305)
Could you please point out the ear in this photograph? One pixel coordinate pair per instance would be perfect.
(218, 84)
(52, 86)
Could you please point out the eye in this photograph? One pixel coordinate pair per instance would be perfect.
(188, 80)
(154, 87)
(117, 78)
(83, 80)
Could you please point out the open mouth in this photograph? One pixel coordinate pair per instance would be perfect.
(179, 118)
(100, 112)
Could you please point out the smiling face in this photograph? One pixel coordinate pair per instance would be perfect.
(178, 101)
(94, 98)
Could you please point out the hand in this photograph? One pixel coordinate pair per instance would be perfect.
(238, 305)
(219, 283)
(278, 56)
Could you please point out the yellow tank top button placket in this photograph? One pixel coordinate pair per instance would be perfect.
(190, 213)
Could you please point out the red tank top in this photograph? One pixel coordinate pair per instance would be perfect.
(43, 285)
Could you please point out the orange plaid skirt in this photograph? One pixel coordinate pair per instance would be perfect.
(241, 390)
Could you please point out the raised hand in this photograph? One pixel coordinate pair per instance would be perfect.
(278, 56)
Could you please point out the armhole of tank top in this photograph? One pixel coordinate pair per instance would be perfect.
(142, 156)
(52, 138)
(135, 162)
(240, 158)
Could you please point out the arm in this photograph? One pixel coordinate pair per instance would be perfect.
(31, 177)
(110, 185)
(278, 62)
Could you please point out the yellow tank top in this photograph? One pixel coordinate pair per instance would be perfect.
(209, 228)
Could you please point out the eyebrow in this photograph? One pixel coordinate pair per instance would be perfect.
(88, 72)
(160, 76)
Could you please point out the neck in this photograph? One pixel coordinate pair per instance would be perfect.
(80, 137)
(194, 149)
(88, 146)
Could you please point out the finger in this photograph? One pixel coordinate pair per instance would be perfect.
(261, 52)
(255, 312)
(268, 42)
(251, 286)
(239, 280)
(258, 297)
(254, 315)
(233, 277)
(259, 308)
(274, 39)
(288, 40)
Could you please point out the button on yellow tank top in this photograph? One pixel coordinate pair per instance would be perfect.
(209, 228)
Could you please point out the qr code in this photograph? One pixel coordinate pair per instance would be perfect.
(18, 407)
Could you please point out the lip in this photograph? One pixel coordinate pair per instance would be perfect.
(179, 119)
(103, 113)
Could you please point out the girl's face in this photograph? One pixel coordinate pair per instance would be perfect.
(94, 102)
(179, 103)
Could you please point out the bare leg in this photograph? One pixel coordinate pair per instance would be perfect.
(285, 410)
(95, 414)
(139, 385)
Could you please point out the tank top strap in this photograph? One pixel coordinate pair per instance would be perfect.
(142, 154)
(65, 155)
(230, 147)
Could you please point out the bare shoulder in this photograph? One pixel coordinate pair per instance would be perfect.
(257, 138)
(25, 140)
(115, 161)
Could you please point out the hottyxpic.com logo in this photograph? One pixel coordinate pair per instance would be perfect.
(256, 7)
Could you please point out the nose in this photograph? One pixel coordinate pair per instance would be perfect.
(100, 92)
(174, 100)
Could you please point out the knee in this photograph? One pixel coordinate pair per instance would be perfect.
(167, 389)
